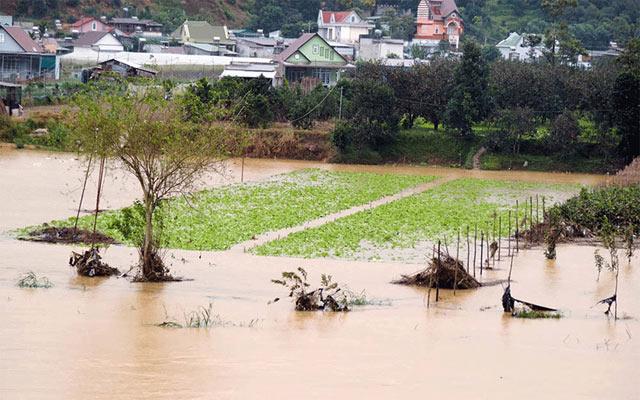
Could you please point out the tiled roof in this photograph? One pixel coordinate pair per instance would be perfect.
(23, 39)
(446, 7)
(295, 46)
(202, 32)
(339, 16)
(510, 41)
(89, 38)
(135, 21)
(82, 21)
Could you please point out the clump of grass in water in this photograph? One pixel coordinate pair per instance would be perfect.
(360, 299)
(204, 318)
(31, 280)
(529, 314)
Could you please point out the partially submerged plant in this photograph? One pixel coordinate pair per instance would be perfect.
(531, 314)
(552, 235)
(203, 318)
(199, 318)
(629, 242)
(31, 280)
(607, 235)
(322, 298)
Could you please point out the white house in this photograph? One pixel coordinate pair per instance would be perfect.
(100, 41)
(342, 26)
(380, 48)
(515, 47)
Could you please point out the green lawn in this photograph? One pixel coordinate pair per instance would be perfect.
(403, 224)
(219, 218)
(425, 145)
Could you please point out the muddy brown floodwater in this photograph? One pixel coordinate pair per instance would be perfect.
(96, 338)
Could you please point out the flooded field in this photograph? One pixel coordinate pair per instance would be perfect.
(97, 338)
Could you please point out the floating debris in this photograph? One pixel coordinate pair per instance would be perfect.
(444, 273)
(90, 264)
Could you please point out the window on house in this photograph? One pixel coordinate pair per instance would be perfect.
(323, 75)
(321, 51)
(1, 37)
(437, 30)
(94, 26)
(331, 56)
(316, 49)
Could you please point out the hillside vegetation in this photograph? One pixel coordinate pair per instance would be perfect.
(169, 12)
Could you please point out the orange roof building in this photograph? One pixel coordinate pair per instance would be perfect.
(438, 20)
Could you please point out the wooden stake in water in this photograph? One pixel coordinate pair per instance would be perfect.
(481, 251)
(509, 236)
(475, 247)
(455, 272)
(499, 236)
(437, 273)
(517, 228)
(468, 249)
(84, 187)
(95, 218)
(543, 209)
(537, 209)
(531, 212)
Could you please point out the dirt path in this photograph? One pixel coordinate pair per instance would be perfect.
(282, 233)
(478, 156)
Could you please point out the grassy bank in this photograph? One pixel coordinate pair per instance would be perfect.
(420, 145)
(397, 229)
(219, 218)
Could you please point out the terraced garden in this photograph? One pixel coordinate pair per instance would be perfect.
(404, 230)
(218, 218)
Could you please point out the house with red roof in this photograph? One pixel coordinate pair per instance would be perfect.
(342, 26)
(22, 59)
(438, 21)
(89, 24)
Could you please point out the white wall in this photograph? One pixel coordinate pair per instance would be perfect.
(85, 56)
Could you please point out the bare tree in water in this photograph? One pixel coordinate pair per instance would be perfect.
(155, 141)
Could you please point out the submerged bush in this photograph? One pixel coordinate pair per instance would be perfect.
(31, 280)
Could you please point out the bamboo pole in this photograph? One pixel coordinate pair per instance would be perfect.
(455, 272)
(84, 187)
(95, 218)
(531, 212)
(481, 251)
(509, 236)
(517, 229)
(499, 236)
(468, 249)
(436, 273)
(475, 247)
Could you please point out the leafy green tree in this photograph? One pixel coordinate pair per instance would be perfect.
(469, 102)
(149, 137)
(626, 99)
(515, 123)
(564, 133)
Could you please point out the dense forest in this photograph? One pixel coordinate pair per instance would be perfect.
(593, 22)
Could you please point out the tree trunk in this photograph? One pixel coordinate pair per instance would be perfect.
(147, 247)
(436, 123)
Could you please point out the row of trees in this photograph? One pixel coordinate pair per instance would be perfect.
(257, 104)
(542, 100)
